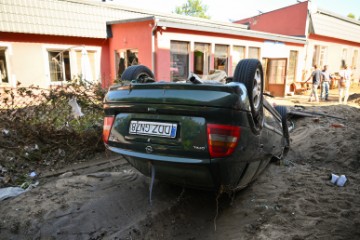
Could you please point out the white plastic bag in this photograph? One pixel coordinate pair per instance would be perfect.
(76, 110)
(10, 192)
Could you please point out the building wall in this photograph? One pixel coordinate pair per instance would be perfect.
(27, 57)
(138, 35)
(29, 64)
(287, 21)
(268, 49)
(131, 35)
(334, 54)
(335, 33)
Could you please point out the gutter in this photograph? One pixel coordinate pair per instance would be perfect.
(231, 30)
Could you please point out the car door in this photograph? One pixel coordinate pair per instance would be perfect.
(272, 137)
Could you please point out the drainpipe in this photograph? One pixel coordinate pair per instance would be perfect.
(304, 72)
(153, 54)
(311, 8)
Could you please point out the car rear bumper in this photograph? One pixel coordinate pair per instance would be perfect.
(194, 173)
(206, 174)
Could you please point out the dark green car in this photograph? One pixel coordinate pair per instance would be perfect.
(198, 135)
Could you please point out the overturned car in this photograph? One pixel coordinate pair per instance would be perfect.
(196, 134)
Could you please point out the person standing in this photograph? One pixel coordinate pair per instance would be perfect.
(344, 84)
(316, 76)
(325, 84)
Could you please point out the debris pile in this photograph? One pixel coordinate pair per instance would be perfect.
(39, 128)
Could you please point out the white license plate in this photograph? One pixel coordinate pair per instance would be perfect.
(159, 129)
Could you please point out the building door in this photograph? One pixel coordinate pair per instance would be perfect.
(275, 76)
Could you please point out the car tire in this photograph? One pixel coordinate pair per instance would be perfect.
(282, 110)
(140, 73)
(250, 73)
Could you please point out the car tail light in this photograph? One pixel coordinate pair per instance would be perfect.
(222, 139)
(108, 122)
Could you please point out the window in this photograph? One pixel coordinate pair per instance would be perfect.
(221, 57)
(254, 52)
(125, 58)
(59, 65)
(76, 62)
(238, 54)
(86, 67)
(4, 75)
(179, 60)
(292, 66)
(319, 56)
(344, 57)
(355, 59)
(202, 58)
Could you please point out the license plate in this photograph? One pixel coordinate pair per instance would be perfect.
(159, 129)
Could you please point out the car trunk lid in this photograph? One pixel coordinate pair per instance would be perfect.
(171, 119)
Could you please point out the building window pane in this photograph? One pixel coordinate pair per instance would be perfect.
(238, 54)
(221, 57)
(292, 66)
(315, 55)
(125, 58)
(355, 59)
(4, 75)
(202, 58)
(320, 55)
(179, 60)
(254, 52)
(323, 56)
(88, 74)
(59, 62)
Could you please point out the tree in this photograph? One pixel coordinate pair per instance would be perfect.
(350, 15)
(193, 8)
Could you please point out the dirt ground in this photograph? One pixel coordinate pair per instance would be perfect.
(105, 198)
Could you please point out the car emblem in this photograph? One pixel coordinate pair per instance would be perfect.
(149, 149)
(151, 109)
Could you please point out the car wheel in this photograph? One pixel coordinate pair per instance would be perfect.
(140, 73)
(250, 73)
(282, 110)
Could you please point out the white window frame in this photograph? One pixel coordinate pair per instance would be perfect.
(321, 56)
(74, 70)
(217, 55)
(233, 53)
(11, 78)
(355, 60)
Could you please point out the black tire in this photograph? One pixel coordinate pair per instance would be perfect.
(140, 73)
(282, 110)
(250, 73)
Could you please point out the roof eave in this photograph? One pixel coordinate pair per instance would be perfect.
(340, 17)
(233, 30)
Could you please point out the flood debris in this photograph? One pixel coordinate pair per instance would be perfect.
(337, 125)
(9, 192)
(302, 113)
(39, 129)
(32, 174)
(76, 109)
(338, 180)
(5, 132)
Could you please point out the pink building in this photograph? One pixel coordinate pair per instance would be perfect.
(332, 39)
(175, 46)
